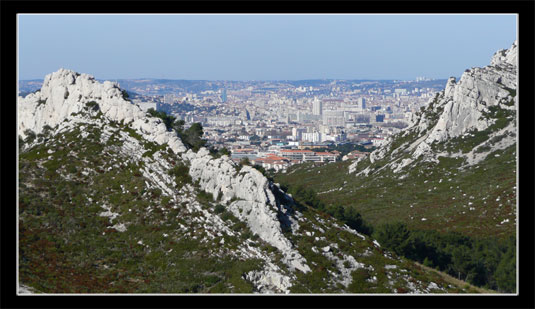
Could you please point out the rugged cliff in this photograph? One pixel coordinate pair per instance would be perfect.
(482, 105)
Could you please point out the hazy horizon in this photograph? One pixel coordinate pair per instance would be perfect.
(250, 80)
(261, 47)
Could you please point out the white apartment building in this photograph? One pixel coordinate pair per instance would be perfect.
(317, 107)
(333, 118)
(314, 137)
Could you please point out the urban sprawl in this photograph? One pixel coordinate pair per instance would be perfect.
(276, 124)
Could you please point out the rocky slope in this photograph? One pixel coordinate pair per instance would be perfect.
(483, 102)
(111, 201)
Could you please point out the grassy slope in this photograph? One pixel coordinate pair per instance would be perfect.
(454, 281)
(441, 193)
(323, 270)
(67, 247)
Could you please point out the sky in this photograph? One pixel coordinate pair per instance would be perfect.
(261, 47)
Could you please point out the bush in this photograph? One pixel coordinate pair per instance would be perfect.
(30, 136)
(205, 196)
(192, 137)
(393, 236)
(245, 161)
(92, 105)
(168, 120)
(125, 94)
(217, 153)
(224, 152)
(219, 209)
(40, 102)
(181, 174)
(260, 169)
(354, 220)
(226, 215)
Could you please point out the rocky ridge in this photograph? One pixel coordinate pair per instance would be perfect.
(474, 104)
(64, 94)
(251, 198)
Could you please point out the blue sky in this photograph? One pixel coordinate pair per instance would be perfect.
(260, 47)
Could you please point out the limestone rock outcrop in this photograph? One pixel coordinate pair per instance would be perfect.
(64, 97)
(460, 109)
(65, 93)
(478, 88)
(249, 196)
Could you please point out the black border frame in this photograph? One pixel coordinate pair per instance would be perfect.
(525, 11)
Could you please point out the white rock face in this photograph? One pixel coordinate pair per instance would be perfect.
(24, 289)
(478, 89)
(506, 56)
(270, 280)
(460, 108)
(253, 202)
(65, 92)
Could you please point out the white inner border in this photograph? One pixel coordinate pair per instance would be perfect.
(363, 294)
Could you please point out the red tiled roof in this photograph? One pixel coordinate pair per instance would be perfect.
(295, 150)
(275, 157)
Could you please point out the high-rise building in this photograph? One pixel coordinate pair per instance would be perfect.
(297, 133)
(362, 103)
(379, 118)
(317, 107)
(224, 95)
(169, 98)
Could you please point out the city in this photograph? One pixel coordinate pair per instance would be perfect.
(278, 124)
(281, 123)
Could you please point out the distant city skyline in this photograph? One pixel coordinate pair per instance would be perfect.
(250, 47)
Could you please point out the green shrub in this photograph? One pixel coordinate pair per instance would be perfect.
(393, 236)
(205, 196)
(92, 105)
(226, 216)
(180, 172)
(133, 133)
(125, 95)
(168, 120)
(41, 102)
(192, 137)
(219, 209)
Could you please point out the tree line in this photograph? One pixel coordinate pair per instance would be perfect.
(483, 262)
